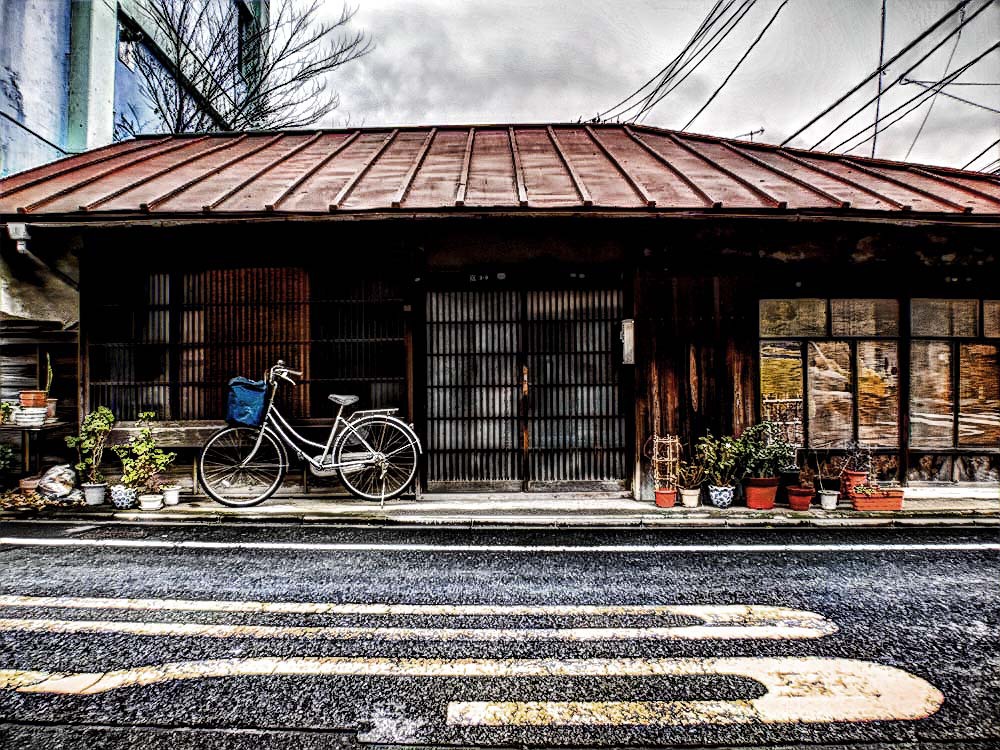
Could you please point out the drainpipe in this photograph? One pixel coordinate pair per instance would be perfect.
(93, 51)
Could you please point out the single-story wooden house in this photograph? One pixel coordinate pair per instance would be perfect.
(538, 299)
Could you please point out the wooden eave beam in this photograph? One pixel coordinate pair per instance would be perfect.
(114, 153)
(765, 196)
(260, 172)
(356, 177)
(787, 175)
(322, 162)
(522, 191)
(919, 191)
(404, 188)
(581, 188)
(708, 200)
(210, 173)
(182, 143)
(463, 178)
(845, 180)
(166, 170)
(639, 188)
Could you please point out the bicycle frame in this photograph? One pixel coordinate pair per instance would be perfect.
(276, 424)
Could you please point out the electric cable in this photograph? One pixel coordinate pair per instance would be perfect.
(981, 153)
(941, 92)
(927, 32)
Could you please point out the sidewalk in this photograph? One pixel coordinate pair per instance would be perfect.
(539, 510)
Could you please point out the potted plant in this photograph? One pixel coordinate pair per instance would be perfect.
(90, 444)
(6, 411)
(721, 459)
(764, 453)
(665, 459)
(829, 495)
(857, 466)
(171, 494)
(871, 495)
(142, 464)
(800, 496)
(690, 477)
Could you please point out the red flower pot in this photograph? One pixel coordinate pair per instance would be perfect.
(665, 498)
(799, 498)
(33, 399)
(761, 492)
(851, 479)
(887, 499)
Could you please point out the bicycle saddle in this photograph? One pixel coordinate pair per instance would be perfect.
(344, 400)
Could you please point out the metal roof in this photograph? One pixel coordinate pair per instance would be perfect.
(523, 168)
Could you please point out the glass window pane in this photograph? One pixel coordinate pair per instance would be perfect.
(977, 468)
(878, 393)
(781, 386)
(930, 468)
(931, 395)
(831, 399)
(991, 318)
(792, 317)
(979, 396)
(864, 317)
(945, 317)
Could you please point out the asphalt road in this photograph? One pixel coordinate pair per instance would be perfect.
(504, 638)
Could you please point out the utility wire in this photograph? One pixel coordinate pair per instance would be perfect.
(881, 72)
(981, 153)
(926, 33)
(905, 73)
(956, 98)
(737, 66)
(698, 32)
(921, 96)
(725, 32)
(930, 109)
(958, 83)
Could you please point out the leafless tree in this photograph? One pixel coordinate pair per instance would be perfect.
(214, 65)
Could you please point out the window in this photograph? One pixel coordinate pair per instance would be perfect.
(127, 40)
(830, 370)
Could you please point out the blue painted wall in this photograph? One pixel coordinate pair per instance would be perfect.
(34, 81)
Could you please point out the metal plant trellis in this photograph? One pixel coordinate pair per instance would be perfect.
(665, 459)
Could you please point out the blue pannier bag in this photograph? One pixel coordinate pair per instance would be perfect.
(246, 402)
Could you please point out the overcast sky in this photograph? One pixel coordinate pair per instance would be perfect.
(491, 61)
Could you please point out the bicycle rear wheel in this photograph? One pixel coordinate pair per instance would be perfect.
(388, 469)
(231, 480)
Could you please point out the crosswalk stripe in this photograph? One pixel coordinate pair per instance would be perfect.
(799, 689)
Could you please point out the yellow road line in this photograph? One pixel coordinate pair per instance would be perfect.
(799, 689)
(212, 630)
(765, 621)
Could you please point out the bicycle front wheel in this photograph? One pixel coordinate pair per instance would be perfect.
(229, 478)
(385, 471)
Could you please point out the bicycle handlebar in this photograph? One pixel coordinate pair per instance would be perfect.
(281, 370)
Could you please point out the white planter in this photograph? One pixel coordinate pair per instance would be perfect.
(150, 502)
(689, 498)
(171, 495)
(94, 493)
(828, 499)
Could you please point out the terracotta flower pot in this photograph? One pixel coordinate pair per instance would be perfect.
(851, 479)
(761, 492)
(34, 399)
(799, 498)
(885, 499)
(665, 498)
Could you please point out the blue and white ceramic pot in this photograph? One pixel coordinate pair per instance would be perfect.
(720, 497)
(123, 497)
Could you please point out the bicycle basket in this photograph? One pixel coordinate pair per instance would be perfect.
(246, 402)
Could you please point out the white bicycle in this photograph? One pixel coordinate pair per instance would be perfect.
(374, 452)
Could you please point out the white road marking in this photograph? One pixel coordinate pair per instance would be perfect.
(799, 689)
(598, 548)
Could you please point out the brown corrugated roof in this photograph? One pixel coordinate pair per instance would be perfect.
(519, 167)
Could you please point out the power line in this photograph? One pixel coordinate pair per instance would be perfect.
(881, 73)
(934, 27)
(956, 98)
(736, 67)
(906, 72)
(957, 83)
(981, 153)
(930, 109)
(725, 32)
(922, 96)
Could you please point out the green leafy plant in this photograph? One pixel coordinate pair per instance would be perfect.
(142, 461)
(7, 457)
(720, 458)
(764, 452)
(6, 410)
(91, 441)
